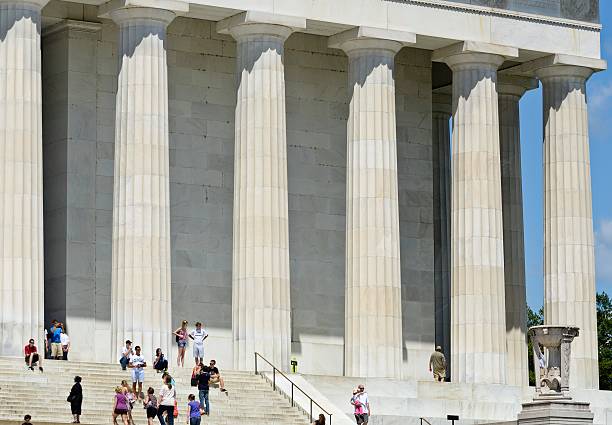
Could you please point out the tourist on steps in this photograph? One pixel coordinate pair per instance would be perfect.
(160, 364)
(437, 362)
(198, 335)
(137, 364)
(167, 397)
(215, 376)
(31, 356)
(26, 420)
(167, 378)
(181, 341)
(120, 406)
(127, 390)
(361, 404)
(150, 403)
(203, 377)
(56, 340)
(321, 420)
(126, 353)
(193, 409)
(75, 398)
(65, 341)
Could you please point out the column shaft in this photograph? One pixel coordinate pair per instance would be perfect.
(21, 189)
(260, 273)
(514, 247)
(441, 113)
(569, 267)
(141, 292)
(373, 340)
(478, 339)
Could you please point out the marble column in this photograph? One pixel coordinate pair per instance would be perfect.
(569, 269)
(261, 308)
(509, 91)
(441, 112)
(478, 321)
(373, 328)
(141, 293)
(21, 185)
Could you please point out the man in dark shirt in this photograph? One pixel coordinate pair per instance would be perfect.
(215, 376)
(203, 378)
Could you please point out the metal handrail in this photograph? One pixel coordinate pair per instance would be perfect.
(425, 420)
(293, 385)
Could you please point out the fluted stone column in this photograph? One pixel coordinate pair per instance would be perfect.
(261, 307)
(21, 190)
(478, 330)
(141, 293)
(441, 113)
(510, 90)
(373, 328)
(569, 269)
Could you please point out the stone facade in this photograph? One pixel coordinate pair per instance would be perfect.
(274, 174)
(201, 66)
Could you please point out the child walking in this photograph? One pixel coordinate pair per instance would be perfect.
(194, 416)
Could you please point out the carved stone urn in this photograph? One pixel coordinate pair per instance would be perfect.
(551, 358)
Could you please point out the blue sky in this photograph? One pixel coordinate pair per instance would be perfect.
(599, 95)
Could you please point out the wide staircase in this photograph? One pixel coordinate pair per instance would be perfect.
(250, 400)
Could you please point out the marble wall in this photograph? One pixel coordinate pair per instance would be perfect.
(201, 67)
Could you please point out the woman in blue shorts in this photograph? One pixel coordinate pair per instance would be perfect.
(181, 340)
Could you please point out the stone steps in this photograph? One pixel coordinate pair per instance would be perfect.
(251, 400)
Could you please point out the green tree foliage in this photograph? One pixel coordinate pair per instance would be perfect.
(533, 319)
(604, 337)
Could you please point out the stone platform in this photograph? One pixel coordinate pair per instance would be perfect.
(397, 402)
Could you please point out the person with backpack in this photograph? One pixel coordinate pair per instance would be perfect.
(181, 341)
(150, 404)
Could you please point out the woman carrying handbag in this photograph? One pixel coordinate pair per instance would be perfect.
(75, 398)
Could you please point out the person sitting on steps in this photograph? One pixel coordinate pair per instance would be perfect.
(31, 356)
(215, 376)
(160, 364)
(126, 352)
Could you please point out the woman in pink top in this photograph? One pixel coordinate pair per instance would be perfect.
(120, 406)
(181, 340)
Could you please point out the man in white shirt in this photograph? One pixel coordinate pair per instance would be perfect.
(137, 364)
(360, 399)
(126, 352)
(65, 341)
(198, 335)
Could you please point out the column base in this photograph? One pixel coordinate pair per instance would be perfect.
(555, 410)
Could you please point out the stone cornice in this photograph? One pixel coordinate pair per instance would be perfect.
(260, 19)
(70, 24)
(531, 68)
(514, 85)
(511, 14)
(465, 47)
(176, 6)
(368, 37)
